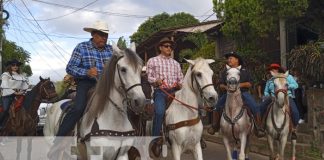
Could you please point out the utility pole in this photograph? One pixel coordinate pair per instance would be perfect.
(283, 39)
(1, 32)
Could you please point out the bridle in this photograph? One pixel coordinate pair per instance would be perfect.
(126, 100)
(201, 89)
(42, 87)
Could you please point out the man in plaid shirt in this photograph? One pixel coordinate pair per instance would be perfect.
(163, 71)
(86, 64)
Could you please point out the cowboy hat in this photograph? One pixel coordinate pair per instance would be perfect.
(234, 54)
(166, 40)
(98, 26)
(14, 61)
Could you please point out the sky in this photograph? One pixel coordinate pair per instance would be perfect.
(50, 29)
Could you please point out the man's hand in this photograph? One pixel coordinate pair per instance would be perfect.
(158, 82)
(18, 93)
(92, 72)
(178, 86)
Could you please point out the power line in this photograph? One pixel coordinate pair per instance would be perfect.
(41, 29)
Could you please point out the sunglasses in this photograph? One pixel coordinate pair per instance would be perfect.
(14, 65)
(167, 46)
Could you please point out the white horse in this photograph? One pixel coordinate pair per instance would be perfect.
(235, 124)
(196, 91)
(277, 122)
(118, 89)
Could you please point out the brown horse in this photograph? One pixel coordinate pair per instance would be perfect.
(23, 121)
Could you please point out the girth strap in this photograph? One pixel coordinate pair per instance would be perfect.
(180, 124)
(96, 132)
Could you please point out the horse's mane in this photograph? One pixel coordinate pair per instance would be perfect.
(106, 82)
(29, 97)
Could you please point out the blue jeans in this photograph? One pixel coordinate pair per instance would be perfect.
(160, 102)
(294, 111)
(76, 112)
(6, 102)
(247, 99)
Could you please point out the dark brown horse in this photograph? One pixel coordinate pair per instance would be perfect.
(23, 121)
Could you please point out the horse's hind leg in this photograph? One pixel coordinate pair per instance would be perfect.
(293, 147)
(197, 152)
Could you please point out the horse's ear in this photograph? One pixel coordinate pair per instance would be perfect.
(133, 47)
(40, 78)
(192, 62)
(273, 74)
(239, 67)
(228, 67)
(287, 73)
(210, 61)
(116, 49)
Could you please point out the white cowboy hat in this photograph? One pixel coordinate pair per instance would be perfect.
(98, 26)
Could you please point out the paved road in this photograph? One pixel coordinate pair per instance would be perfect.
(215, 151)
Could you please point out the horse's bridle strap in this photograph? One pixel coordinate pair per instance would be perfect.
(95, 132)
(180, 124)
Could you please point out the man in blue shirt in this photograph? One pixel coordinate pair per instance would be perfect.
(86, 64)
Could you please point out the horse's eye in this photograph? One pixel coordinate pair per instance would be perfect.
(123, 70)
(198, 75)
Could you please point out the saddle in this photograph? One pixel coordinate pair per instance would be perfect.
(18, 102)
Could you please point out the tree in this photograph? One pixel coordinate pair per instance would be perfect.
(248, 20)
(11, 51)
(162, 21)
(121, 43)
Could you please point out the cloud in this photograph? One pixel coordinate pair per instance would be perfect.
(124, 17)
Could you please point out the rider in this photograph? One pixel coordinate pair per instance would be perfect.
(86, 64)
(234, 60)
(269, 92)
(13, 84)
(69, 86)
(163, 72)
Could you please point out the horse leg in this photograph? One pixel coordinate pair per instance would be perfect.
(29, 147)
(176, 151)
(282, 146)
(293, 147)
(18, 149)
(247, 148)
(270, 142)
(243, 144)
(228, 148)
(197, 152)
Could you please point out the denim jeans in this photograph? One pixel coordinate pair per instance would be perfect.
(160, 102)
(76, 112)
(6, 102)
(247, 99)
(293, 108)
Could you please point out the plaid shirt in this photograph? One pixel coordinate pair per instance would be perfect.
(86, 56)
(165, 68)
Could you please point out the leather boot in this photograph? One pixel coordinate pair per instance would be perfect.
(156, 147)
(258, 130)
(216, 123)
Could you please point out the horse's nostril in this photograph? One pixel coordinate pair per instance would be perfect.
(211, 99)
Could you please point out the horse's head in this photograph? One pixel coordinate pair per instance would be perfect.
(201, 79)
(47, 89)
(233, 78)
(128, 77)
(280, 87)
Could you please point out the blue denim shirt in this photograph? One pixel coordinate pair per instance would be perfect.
(292, 85)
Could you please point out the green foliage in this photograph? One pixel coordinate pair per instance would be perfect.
(247, 20)
(11, 51)
(60, 88)
(161, 21)
(121, 43)
(308, 60)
